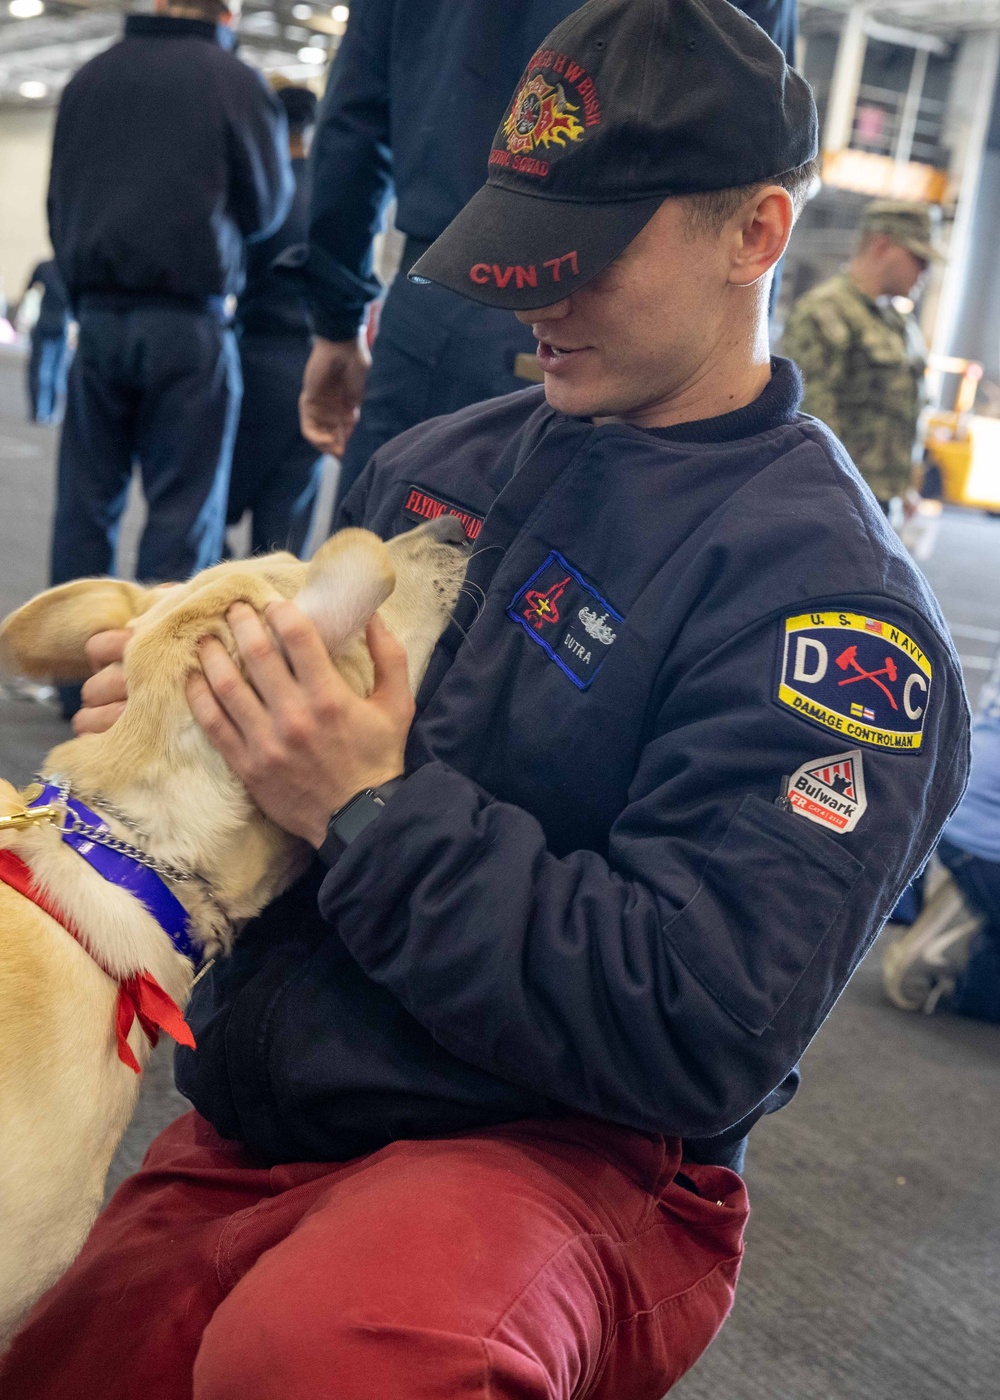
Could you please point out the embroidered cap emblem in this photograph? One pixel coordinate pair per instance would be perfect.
(541, 114)
(549, 609)
(859, 676)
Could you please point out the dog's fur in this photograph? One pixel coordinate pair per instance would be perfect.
(65, 1097)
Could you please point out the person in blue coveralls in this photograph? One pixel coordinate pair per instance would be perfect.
(410, 109)
(949, 959)
(169, 154)
(276, 473)
(471, 1099)
(49, 345)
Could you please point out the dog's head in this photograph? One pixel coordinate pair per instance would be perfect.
(155, 761)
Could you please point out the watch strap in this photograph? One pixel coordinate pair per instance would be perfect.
(350, 820)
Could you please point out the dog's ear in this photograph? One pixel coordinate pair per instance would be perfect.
(348, 578)
(45, 639)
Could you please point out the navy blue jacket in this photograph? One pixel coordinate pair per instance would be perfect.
(414, 98)
(592, 893)
(270, 304)
(168, 153)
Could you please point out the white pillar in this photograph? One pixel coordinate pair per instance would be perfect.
(846, 80)
(981, 51)
(911, 107)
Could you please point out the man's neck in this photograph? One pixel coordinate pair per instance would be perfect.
(865, 278)
(734, 373)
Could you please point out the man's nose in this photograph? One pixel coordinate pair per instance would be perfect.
(541, 314)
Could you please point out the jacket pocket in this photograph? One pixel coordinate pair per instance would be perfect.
(768, 897)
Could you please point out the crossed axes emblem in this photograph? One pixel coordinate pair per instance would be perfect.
(849, 657)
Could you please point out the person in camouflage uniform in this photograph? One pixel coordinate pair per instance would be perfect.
(863, 361)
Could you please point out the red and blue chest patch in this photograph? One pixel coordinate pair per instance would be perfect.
(861, 677)
(568, 619)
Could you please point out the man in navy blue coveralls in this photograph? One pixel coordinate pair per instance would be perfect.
(49, 346)
(276, 473)
(168, 154)
(473, 1096)
(410, 109)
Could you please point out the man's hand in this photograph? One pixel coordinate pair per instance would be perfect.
(332, 389)
(911, 503)
(105, 693)
(302, 742)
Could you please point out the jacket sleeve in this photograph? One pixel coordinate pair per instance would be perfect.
(672, 984)
(351, 175)
(261, 183)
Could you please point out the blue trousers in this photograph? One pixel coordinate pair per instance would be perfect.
(434, 353)
(276, 473)
(47, 375)
(160, 386)
(978, 991)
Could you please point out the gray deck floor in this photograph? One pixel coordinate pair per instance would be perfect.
(873, 1258)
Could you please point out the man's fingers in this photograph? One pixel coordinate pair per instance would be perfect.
(392, 682)
(104, 648)
(304, 648)
(209, 715)
(230, 690)
(316, 428)
(106, 687)
(97, 719)
(266, 667)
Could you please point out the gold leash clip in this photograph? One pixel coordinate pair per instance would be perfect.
(20, 815)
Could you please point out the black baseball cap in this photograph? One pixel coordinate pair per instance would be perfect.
(624, 104)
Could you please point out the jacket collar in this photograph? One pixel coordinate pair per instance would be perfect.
(178, 27)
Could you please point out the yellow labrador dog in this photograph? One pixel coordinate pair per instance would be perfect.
(87, 973)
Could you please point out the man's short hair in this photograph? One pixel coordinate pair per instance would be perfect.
(208, 10)
(300, 107)
(711, 211)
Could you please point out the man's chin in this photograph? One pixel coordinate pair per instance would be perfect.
(575, 400)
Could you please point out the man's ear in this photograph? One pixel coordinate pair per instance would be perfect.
(764, 231)
(45, 639)
(348, 578)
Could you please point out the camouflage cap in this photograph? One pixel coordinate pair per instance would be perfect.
(912, 225)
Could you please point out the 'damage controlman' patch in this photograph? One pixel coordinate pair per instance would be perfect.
(860, 677)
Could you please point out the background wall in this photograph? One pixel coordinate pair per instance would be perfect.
(25, 141)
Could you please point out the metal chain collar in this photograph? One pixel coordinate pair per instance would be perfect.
(124, 848)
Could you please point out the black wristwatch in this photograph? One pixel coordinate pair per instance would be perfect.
(351, 819)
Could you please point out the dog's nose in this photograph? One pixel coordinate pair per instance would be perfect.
(447, 529)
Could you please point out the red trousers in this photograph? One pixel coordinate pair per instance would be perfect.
(538, 1259)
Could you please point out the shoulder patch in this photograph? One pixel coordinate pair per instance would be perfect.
(860, 677)
(830, 791)
(568, 618)
(419, 505)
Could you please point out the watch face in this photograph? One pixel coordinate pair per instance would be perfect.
(356, 816)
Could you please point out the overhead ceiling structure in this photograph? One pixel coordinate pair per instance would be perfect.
(932, 16)
(44, 42)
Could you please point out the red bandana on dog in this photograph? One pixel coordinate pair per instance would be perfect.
(138, 996)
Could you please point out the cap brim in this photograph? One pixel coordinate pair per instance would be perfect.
(519, 252)
(929, 252)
